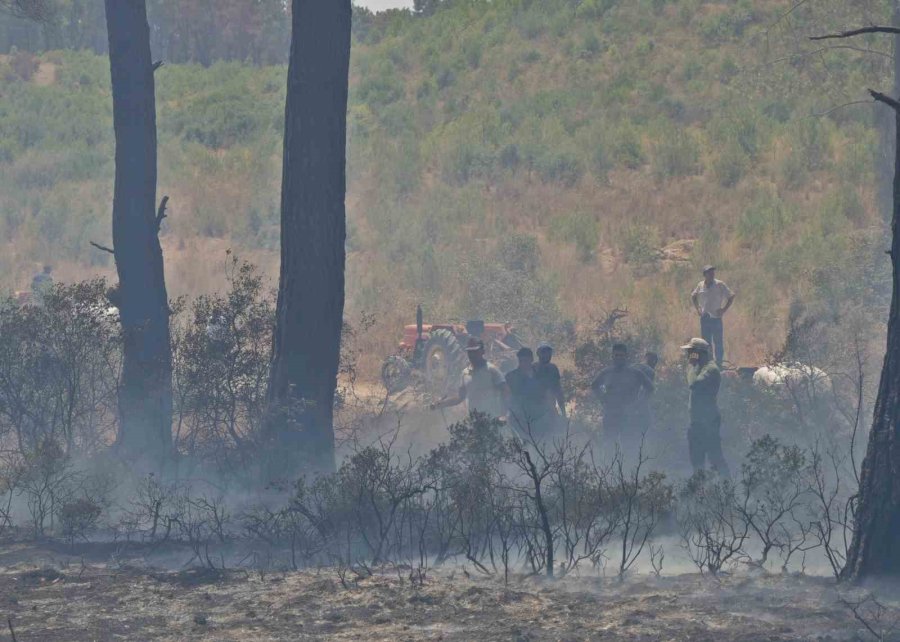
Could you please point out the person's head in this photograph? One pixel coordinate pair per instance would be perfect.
(526, 358)
(651, 359)
(475, 351)
(697, 352)
(545, 353)
(709, 274)
(620, 355)
(48, 269)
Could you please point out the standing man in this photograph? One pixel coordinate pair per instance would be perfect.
(529, 413)
(619, 388)
(483, 387)
(548, 374)
(704, 435)
(712, 299)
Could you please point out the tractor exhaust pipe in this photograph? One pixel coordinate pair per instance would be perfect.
(420, 321)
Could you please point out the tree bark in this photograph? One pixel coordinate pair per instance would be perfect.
(309, 316)
(875, 549)
(145, 395)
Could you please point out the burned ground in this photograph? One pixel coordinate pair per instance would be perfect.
(51, 596)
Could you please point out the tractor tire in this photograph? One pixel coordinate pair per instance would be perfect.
(395, 374)
(444, 362)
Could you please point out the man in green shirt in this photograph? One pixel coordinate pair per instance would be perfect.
(704, 380)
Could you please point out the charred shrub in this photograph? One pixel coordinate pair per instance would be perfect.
(59, 364)
(221, 369)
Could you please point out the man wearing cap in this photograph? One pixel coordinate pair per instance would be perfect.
(704, 435)
(548, 375)
(712, 299)
(483, 387)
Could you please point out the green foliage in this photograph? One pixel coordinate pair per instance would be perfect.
(675, 154)
(579, 228)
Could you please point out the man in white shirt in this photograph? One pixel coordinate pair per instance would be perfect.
(712, 299)
(483, 387)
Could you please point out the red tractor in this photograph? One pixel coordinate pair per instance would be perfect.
(436, 351)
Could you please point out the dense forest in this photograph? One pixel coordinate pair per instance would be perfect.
(537, 162)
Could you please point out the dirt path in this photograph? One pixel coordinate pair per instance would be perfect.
(99, 602)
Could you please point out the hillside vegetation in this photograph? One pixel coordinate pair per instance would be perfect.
(534, 161)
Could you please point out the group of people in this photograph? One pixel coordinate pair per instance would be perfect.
(530, 397)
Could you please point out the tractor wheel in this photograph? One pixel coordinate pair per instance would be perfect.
(444, 362)
(395, 374)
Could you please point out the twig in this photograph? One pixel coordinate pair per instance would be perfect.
(807, 54)
(834, 109)
(103, 248)
(161, 212)
(12, 631)
(857, 32)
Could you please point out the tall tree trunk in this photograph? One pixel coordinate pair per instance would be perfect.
(875, 550)
(145, 396)
(309, 317)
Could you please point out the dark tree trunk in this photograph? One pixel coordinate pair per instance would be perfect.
(875, 550)
(309, 318)
(145, 396)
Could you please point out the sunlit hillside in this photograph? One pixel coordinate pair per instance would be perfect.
(534, 161)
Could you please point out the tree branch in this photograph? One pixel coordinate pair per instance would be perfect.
(858, 32)
(158, 64)
(103, 248)
(887, 100)
(161, 212)
(836, 108)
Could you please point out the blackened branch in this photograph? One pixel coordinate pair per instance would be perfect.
(858, 32)
(103, 248)
(887, 100)
(161, 212)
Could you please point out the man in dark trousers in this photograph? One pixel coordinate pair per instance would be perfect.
(548, 374)
(704, 435)
(619, 388)
(712, 299)
(529, 412)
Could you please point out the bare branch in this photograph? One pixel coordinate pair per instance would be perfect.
(103, 248)
(838, 107)
(807, 54)
(161, 212)
(858, 32)
(887, 100)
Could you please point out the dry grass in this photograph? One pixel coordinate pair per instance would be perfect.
(97, 601)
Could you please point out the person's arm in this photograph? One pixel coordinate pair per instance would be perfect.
(646, 382)
(702, 378)
(695, 299)
(453, 401)
(728, 300)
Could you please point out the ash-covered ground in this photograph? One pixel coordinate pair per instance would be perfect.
(51, 595)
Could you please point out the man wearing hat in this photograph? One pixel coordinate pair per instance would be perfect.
(548, 375)
(704, 435)
(483, 386)
(712, 299)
